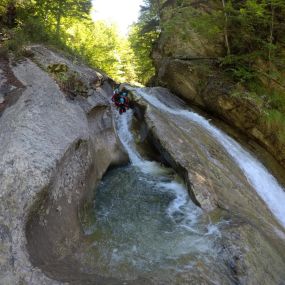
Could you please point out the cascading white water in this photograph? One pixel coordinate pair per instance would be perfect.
(145, 224)
(258, 176)
(127, 139)
(181, 204)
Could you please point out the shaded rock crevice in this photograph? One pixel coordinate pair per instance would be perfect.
(10, 87)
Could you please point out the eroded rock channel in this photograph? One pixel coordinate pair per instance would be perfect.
(143, 226)
(198, 218)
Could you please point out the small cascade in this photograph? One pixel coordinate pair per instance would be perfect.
(258, 176)
(126, 137)
(181, 204)
(145, 224)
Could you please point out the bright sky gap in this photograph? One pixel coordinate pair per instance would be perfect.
(123, 13)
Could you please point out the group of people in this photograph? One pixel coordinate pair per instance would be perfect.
(120, 98)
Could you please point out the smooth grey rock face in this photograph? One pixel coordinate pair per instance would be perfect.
(49, 147)
(46, 57)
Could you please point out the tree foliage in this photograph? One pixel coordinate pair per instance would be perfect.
(247, 38)
(53, 11)
(142, 37)
(141, 44)
(67, 25)
(102, 47)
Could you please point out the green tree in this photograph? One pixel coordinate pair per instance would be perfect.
(142, 36)
(101, 46)
(141, 44)
(54, 10)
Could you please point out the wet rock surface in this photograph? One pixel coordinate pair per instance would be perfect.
(52, 152)
(55, 148)
(253, 258)
(215, 181)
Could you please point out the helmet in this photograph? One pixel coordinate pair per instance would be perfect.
(122, 100)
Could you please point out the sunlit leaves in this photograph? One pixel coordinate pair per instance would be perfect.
(142, 44)
(101, 45)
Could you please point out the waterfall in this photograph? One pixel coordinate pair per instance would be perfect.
(258, 176)
(146, 225)
(127, 139)
(182, 205)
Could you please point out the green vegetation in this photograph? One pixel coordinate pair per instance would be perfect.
(250, 35)
(102, 47)
(67, 25)
(247, 38)
(142, 38)
(141, 44)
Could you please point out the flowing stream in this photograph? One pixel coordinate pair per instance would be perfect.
(145, 225)
(258, 176)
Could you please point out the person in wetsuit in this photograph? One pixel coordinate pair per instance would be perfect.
(121, 100)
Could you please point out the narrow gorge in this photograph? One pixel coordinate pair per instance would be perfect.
(163, 194)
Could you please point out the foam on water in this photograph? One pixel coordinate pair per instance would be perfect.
(258, 176)
(147, 227)
(127, 139)
(181, 210)
(145, 224)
